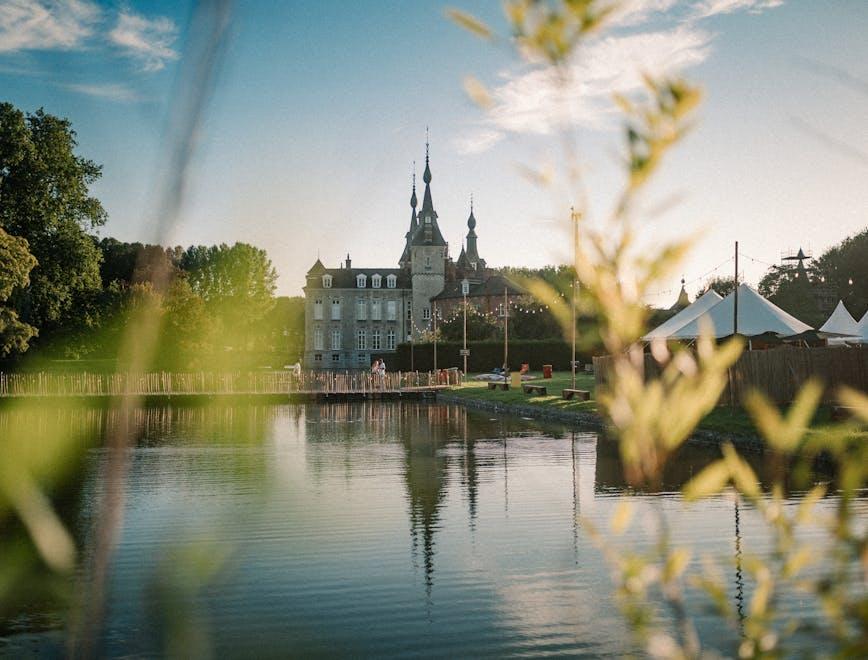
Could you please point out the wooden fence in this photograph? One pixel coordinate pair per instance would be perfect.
(778, 372)
(268, 382)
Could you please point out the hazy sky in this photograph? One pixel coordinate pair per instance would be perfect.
(322, 107)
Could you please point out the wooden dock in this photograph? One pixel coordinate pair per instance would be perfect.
(271, 385)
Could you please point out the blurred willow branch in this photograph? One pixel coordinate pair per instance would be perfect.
(652, 417)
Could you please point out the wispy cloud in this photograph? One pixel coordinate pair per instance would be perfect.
(535, 101)
(109, 91)
(149, 41)
(714, 7)
(46, 24)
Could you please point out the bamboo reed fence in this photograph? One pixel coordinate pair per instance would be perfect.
(778, 372)
(204, 383)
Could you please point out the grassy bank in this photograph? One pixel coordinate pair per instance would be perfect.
(720, 420)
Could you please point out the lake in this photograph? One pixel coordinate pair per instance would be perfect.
(363, 529)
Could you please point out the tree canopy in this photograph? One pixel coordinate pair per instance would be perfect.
(45, 199)
(16, 262)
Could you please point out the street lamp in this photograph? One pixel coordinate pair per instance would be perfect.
(465, 289)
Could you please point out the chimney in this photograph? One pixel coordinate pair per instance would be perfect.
(349, 263)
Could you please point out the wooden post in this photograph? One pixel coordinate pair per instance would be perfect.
(735, 295)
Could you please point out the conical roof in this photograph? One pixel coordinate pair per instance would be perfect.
(756, 316)
(840, 322)
(317, 268)
(686, 315)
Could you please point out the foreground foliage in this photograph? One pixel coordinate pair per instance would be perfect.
(653, 417)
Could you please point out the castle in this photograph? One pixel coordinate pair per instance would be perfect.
(354, 313)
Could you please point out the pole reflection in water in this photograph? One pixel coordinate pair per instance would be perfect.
(374, 529)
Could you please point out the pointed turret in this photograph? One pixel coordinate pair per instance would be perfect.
(428, 232)
(683, 299)
(414, 225)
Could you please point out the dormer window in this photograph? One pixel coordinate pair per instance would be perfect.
(361, 281)
(375, 281)
(327, 281)
(391, 281)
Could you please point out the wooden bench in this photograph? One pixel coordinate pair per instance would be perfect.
(493, 386)
(581, 395)
(535, 389)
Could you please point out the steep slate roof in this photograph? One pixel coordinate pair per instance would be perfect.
(428, 231)
(492, 286)
(317, 268)
(345, 278)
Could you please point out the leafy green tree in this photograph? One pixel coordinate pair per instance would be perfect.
(796, 292)
(16, 262)
(722, 285)
(44, 198)
(134, 263)
(479, 326)
(285, 327)
(237, 284)
(844, 267)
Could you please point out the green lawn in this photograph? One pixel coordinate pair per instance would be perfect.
(722, 420)
(473, 389)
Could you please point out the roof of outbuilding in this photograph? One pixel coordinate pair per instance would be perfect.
(492, 286)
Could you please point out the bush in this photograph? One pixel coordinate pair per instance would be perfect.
(484, 355)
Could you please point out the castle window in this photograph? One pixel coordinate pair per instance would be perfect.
(362, 359)
(336, 339)
(391, 281)
(361, 281)
(376, 281)
(336, 310)
(375, 340)
(327, 281)
(318, 343)
(361, 309)
(361, 340)
(317, 357)
(426, 313)
(391, 310)
(317, 309)
(427, 262)
(336, 357)
(376, 313)
(390, 340)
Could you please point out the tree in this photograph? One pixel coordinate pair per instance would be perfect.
(237, 284)
(16, 262)
(479, 326)
(134, 263)
(722, 285)
(44, 198)
(844, 267)
(285, 327)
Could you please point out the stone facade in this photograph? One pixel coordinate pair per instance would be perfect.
(353, 314)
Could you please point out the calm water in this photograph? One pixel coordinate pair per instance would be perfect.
(367, 530)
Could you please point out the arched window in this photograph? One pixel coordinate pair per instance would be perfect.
(391, 281)
(375, 281)
(361, 280)
(327, 281)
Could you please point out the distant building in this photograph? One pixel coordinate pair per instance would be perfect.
(354, 313)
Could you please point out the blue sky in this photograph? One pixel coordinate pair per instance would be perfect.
(321, 108)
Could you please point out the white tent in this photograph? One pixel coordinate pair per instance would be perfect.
(706, 301)
(756, 316)
(841, 323)
(862, 329)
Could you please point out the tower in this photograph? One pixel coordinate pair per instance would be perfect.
(428, 254)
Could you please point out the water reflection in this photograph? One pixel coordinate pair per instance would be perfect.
(377, 529)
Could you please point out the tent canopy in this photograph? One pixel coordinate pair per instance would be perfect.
(840, 322)
(697, 307)
(862, 329)
(756, 316)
